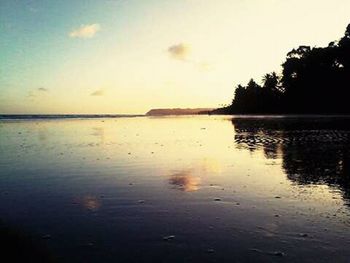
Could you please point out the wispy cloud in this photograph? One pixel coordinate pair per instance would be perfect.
(85, 31)
(42, 89)
(99, 92)
(179, 51)
(38, 92)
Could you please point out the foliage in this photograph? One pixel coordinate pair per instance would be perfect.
(314, 80)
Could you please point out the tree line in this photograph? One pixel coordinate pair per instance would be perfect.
(314, 80)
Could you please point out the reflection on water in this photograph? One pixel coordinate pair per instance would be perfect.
(313, 151)
(184, 181)
(180, 189)
(91, 203)
(190, 179)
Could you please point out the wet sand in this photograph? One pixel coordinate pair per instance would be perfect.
(178, 189)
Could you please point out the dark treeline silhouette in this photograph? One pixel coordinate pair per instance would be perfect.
(313, 150)
(313, 81)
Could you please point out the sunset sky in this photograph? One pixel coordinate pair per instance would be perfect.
(127, 56)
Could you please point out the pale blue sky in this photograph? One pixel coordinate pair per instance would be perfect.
(126, 56)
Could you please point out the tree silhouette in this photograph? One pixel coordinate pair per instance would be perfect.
(314, 80)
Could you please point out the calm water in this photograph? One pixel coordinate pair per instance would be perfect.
(178, 189)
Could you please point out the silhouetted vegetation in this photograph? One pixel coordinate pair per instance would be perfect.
(314, 80)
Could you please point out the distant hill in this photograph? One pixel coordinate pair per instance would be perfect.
(178, 111)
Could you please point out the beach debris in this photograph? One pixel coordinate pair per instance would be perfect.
(141, 201)
(46, 236)
(168, 238)
(277, 197)
(277, 215)
(278, 253)
(210, 250)
(217, 199)
(303, 235)
(273, 253)
(256, 250)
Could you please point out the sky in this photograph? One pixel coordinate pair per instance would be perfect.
(128, 56)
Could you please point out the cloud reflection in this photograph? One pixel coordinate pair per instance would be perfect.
(89, 202)
(185, 181)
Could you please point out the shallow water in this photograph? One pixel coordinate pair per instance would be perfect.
(179, 189)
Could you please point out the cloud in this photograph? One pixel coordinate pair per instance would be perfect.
(99, 92)
(85, 31)
(179, 51)
(38, 92)
(42, 89)
(182, 52)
